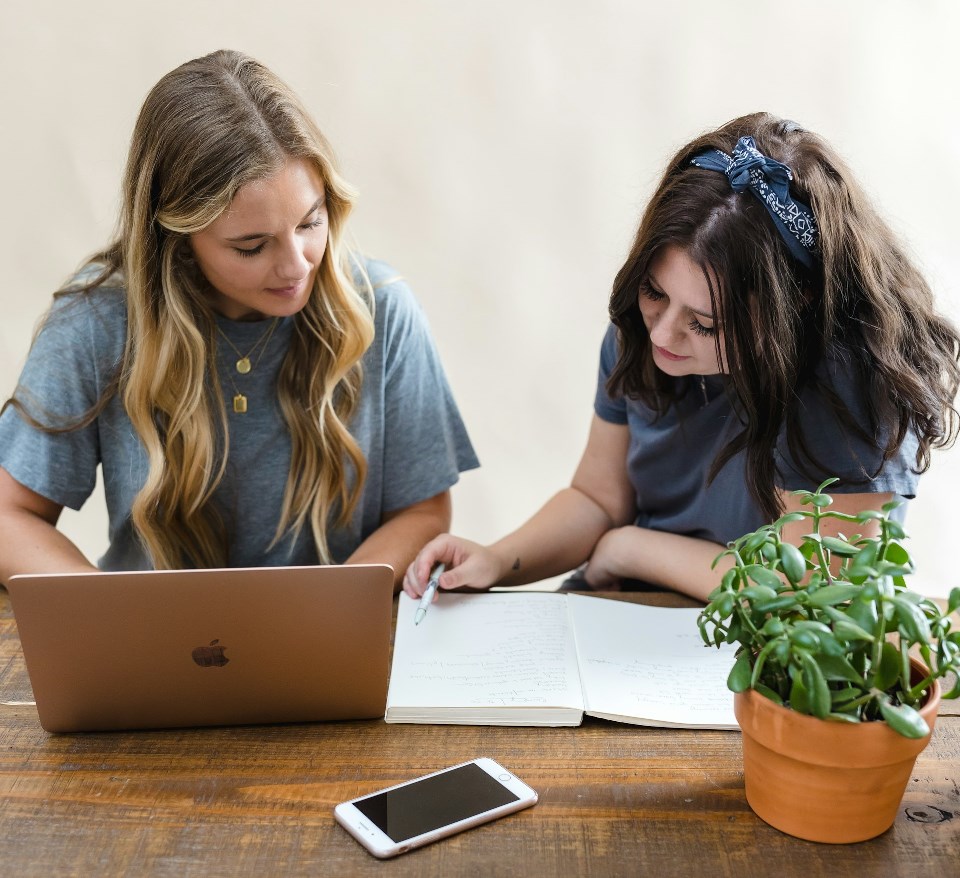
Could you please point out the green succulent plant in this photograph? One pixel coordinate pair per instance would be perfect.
(826, 628)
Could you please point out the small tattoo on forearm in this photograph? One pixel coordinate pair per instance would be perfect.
(516, 564)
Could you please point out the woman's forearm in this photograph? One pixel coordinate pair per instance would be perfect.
(558, 538)
(397, 541)
(680, 563)
(30, 544)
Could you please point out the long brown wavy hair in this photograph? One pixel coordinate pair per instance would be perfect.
(776, 319)
(207, 128)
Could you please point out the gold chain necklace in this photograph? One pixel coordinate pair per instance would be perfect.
(243, 365)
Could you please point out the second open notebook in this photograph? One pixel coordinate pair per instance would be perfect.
(545, 659)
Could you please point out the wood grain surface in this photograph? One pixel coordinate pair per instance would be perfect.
(614, 800)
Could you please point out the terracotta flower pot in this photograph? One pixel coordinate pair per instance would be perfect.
(825, 781)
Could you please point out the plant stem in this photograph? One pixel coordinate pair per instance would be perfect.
(824, 561)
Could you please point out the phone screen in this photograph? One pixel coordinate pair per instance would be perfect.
(434, 801)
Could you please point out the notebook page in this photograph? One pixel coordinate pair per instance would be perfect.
(485, 650)
(648, 665)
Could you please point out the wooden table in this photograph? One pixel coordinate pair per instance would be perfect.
(614, 800)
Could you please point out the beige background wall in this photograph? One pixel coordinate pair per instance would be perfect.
(503, 151)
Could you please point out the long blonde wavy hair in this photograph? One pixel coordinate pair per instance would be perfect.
(207, 128)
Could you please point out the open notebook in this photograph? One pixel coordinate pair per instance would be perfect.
(535, 658)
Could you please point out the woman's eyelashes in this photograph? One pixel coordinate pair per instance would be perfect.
(253, 251)
(654, 295)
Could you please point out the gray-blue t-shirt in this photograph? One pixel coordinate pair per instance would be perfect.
(406, 424)
(670, 455)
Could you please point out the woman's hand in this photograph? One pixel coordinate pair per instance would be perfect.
(469, 565)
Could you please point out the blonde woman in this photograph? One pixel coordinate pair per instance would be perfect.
(255, 393)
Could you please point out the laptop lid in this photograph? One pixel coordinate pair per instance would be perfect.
(179, 648)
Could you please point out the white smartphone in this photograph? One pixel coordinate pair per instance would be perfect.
(412, 814)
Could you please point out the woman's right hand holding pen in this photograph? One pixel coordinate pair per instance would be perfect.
(468, 565)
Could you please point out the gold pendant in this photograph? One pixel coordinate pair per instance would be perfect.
(240, 404)
(243, 365)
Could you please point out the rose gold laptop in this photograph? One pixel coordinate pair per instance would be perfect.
(177, 648)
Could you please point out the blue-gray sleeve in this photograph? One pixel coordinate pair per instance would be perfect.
(426, 445)
(606, 407)
(840, 452)
(58, 385)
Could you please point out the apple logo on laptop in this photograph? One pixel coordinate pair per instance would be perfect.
(210, 656)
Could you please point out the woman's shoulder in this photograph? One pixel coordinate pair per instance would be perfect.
(375, 272)
(839, 404)
(843, 372)
(393, 299)
(841, 428)
(387, 287)
(93, 286)
(81, 313)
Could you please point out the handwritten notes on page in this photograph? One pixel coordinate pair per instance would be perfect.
(491, 659)
(648, 665)
(535, 658)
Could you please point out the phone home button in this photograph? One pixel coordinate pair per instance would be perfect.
(505, 777)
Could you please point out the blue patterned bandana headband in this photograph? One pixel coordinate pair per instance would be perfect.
(769, 180)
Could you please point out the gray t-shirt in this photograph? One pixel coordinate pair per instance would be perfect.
(406, 423)
(669, 456)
